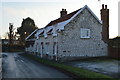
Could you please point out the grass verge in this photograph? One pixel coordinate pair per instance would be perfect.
(77, 72)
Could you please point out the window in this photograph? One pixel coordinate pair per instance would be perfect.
(47, 50)
(55, 48)
(84, 33)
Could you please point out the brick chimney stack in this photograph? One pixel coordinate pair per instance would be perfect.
(63, 13)
(105, 20)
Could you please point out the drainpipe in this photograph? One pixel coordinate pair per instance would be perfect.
(56, 51)
(56, 46)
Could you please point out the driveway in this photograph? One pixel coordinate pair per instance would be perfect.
(109, 67)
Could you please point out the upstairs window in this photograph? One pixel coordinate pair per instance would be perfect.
(84, 33)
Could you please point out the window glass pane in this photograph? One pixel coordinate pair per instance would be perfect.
(84, 33)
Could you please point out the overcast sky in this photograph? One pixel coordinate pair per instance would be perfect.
(43, 11)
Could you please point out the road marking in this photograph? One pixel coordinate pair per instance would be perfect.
(22, 60)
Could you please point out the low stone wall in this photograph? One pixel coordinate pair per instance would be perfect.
(12, 48)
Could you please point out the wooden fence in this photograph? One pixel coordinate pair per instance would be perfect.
(114, 52)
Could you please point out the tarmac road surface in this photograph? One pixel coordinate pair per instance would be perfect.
(16, 66)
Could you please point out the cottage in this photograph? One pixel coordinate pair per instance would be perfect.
(79, 34)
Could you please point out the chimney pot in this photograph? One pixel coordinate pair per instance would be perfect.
(102, 6)
(105, 6)
(63, 12)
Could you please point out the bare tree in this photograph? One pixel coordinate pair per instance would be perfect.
(11, 33)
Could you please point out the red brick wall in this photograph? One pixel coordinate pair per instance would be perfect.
(114, 52)
(105, 20)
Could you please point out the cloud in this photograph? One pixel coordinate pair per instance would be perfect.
(43, 13)
(40, 0)
(10, 11)
(15, 15)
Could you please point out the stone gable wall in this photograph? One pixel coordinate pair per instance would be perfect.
(74, 46)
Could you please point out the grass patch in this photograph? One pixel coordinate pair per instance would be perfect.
(96, 59)
(78, 72)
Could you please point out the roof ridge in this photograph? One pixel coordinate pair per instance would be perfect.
(61, 19)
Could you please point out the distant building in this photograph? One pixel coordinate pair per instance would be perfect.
(79, 34)
(5, 41)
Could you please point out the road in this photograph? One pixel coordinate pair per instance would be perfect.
(0, 66)
(16, 66)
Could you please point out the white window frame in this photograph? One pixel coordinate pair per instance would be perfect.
(84, 33)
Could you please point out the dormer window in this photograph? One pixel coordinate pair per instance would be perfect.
(54, 32)
(41, 34)
(49, 32)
